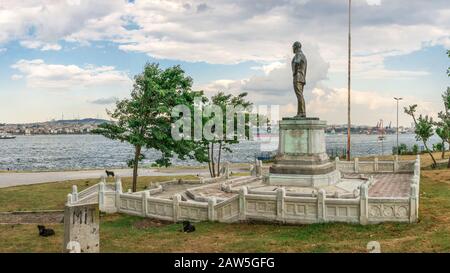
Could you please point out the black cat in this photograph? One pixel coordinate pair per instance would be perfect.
(188, 227)
(45, 232)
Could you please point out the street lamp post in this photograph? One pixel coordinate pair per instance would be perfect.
(397, 99)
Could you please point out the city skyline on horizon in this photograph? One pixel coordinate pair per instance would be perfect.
(85, 59)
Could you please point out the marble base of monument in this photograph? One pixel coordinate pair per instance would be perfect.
(302, 159)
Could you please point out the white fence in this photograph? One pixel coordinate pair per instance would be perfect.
(376, 166)
(248, 204)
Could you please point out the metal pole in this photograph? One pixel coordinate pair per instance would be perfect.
(397, 99)
(397, 128)
(349, 67)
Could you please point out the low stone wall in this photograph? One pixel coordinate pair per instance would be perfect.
(376, 166)
(277, 206)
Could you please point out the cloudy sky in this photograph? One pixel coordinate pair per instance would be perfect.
(76, 57)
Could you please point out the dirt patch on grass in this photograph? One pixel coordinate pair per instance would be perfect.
(148, 222)
(31, 217)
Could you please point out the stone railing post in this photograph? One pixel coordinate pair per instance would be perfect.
(321, 208)
(375, 164)
(144, 203)
(118, 185)
(416, 181)
(69, 199)
(356, 165)
(211, 209)
(417, 168)
(370, 181)
(74, 193)
(242, 206)
(414, 200)
(414, 203)
(101, 195)
(227, 170)
(258, 168)
(102, 179)
(176, 207)
(252, 170)
(336, 162)
(396, 163)
(281, 193)
(364, 204)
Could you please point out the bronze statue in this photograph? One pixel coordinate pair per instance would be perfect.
(299, 75)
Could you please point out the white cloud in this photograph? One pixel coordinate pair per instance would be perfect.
(374, 2)
(367, 106)
(231, 31)
(39, 74)
(275, 85)
(16, 77)
(47, 21)
(40, 45)
(269, 67)
(47, 47)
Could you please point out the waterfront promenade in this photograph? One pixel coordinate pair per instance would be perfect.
(10, 179)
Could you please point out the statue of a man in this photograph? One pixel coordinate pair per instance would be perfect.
(299, 75)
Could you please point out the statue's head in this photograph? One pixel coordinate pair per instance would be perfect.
(296, 46)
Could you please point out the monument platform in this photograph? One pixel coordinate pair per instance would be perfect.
(302, 159)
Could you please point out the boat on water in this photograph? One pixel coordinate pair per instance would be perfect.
(3, 136)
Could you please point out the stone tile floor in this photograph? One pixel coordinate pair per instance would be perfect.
(391, 185)
(385, 185)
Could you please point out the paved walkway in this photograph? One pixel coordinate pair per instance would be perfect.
(391, 185)
(17, 179)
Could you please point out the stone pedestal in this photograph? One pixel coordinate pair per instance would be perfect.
(81, 225)
(302, 159)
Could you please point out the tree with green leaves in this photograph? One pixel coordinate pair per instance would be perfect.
(229, 132)
(144, 120)
(443, 125)
(423, 128)
(448, 69)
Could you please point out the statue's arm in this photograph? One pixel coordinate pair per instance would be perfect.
(295, 66)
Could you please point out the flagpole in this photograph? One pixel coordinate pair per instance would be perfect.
(348, 79)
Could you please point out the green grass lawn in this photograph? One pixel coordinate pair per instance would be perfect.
(122, 233)
(52, 196)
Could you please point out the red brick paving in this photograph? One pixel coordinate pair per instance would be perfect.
(391, 185)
